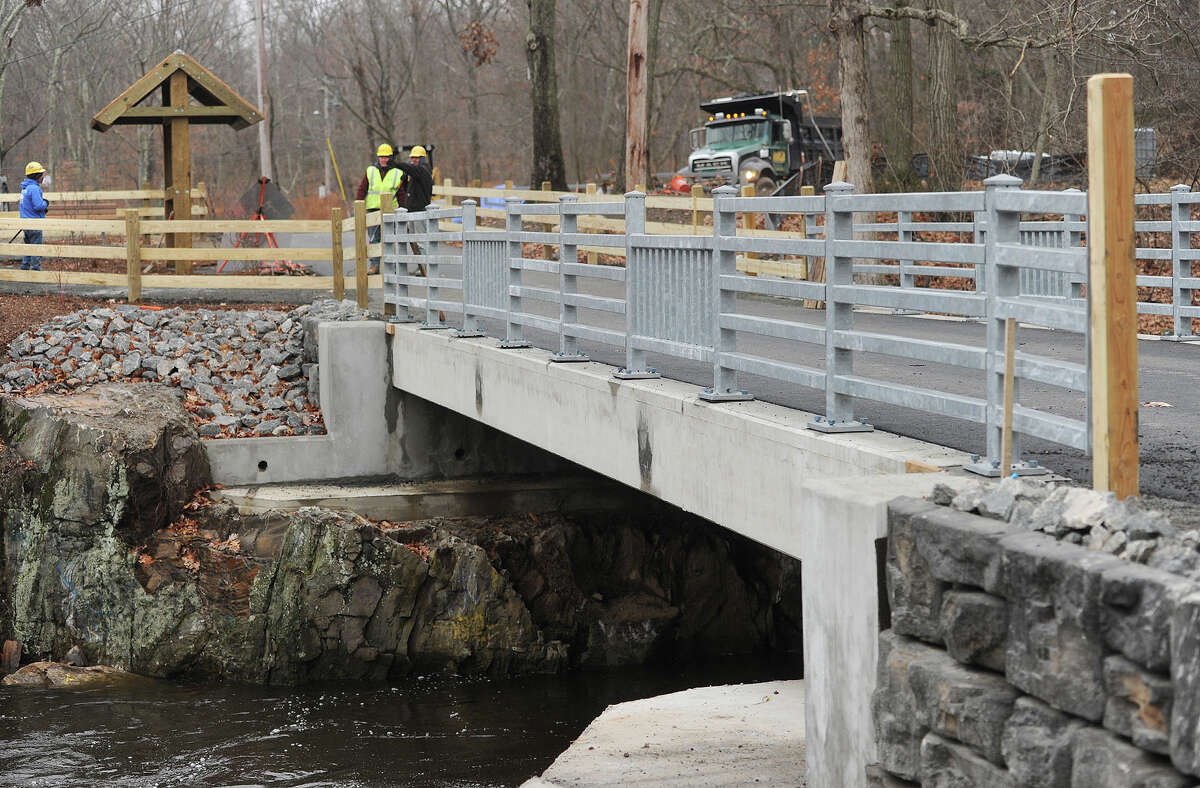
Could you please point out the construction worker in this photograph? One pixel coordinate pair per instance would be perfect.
(418, 181)
(378, 181)
(33, 205)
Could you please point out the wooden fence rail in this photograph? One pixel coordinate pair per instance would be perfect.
(125, 239)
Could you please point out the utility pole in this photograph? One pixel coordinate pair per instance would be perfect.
(637, 165)
(264, 133)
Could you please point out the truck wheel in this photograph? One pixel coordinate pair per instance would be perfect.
(764, 186)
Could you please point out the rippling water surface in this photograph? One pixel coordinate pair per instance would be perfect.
(431, 731)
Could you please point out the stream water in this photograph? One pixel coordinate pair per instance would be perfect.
(438, 731)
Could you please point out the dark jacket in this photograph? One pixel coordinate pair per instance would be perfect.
(418, 184)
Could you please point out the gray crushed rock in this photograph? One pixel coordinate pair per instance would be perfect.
(242, 373)
(1136, 530)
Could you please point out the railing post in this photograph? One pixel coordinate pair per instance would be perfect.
(635, 224)
(1181, 267)
(1002, 227)
(133, 254)
(469, 264)
(724, 262)
(360, 252)
(568, 255)
(398, 270)
(335, 253)
(904, 234)
(434, 317)
(839, 312)
(386, 210)
(514, 333)
(547, 249)
(1073, 239)
(1112, 284)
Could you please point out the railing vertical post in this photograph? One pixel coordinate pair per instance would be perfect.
(635, 224)
(133, 254)
(547, 249)
(724, 262)
(469, 271)
(568, 285)
(335, 253)
(1000, 282)
(1112, 285)
(514, 334)
(397, 270)
(1073, 239)
(360, 252)
(1181, 267)
(434, 317)
(904, 234)
(839, 312)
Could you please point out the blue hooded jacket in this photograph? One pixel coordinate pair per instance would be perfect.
(33, 205)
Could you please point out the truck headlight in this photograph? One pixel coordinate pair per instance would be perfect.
(749, 175)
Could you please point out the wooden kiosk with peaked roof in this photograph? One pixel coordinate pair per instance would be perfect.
(181, 80)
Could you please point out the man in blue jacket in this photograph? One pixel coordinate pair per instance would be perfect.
(33, 205)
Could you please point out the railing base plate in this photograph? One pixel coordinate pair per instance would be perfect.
(636, 374)
(433, 327)
(462, 333)
(728, 395)
(821, 424)
(400, 319)
(986, 468)
(513, 344)
(569, 358)
(1180, 337)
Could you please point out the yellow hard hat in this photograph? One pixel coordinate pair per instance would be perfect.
(384, 150)
(417, 152)
(33, 167)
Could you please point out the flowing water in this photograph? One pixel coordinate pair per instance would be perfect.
(429, 731)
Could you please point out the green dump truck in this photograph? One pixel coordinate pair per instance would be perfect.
(771, 140)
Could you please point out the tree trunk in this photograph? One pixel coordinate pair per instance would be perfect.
(945, 151)
(547, 141)
(473, 120)
(1045, 117)
(898, 142)
(847, 28)
(636, 164)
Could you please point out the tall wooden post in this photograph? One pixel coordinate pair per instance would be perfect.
(335, 253)
(637, 165)
(360, 252)
(1112, 288)
(133, 254)
(177, 164)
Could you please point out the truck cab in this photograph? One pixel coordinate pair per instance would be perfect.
(762, 140)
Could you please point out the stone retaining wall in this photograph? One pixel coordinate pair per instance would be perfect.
(1018, 659)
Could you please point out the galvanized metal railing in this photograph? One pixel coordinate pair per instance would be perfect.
(681, 296)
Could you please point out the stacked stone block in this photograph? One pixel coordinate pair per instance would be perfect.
(1015, 659)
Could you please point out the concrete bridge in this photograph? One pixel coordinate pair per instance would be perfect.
(400, 401)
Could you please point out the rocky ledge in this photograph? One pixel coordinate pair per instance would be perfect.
(108, 545)
(243, 373)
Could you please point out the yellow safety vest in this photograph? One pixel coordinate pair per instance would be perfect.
(378, 185)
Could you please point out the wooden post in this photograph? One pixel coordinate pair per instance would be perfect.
(839, 171)
(1006, 426)
(335, 252)
(507, 185)
(178, 153)
(386, 208)
(637, 165)
(547, 249)
(697, 193)
(449, 184)
(360, 252)
(202, 196)
(133, 254)
(475, 183)
(592, 257)
(1112, 285)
